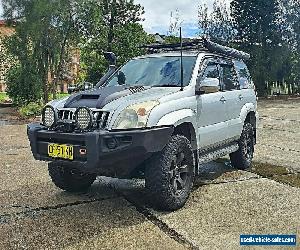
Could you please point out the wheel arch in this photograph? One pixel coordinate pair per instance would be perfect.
(187, 129)
(252, 119)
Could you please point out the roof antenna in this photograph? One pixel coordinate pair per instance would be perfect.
(181, 60)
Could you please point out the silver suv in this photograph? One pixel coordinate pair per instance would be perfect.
(160, 116)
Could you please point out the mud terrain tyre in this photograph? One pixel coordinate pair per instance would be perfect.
(242, 158)
(169, 174)
(70, 179)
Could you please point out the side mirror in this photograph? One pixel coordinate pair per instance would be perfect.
(208, 85)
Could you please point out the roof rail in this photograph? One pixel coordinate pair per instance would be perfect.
(201, 44)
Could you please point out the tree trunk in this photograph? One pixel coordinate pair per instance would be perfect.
(110, 36)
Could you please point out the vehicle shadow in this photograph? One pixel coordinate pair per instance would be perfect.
(135, 192)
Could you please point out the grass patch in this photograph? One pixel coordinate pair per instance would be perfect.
(30, 110)
(62, 95)
(58, 96)
(292, 179)
(268, 170)
(3, 96)
(276, 173)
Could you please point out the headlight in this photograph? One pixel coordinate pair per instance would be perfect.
(49, 116)
(83, 118)
(135, 116)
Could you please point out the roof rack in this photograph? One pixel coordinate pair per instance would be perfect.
(202, 44)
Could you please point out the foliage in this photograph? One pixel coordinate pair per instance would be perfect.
(45, 31)
(32, 109)
(175, 23)
(218, 24)
(171, 39)
(120, 33)
(23, 85)
(3, 97)
(258, 32)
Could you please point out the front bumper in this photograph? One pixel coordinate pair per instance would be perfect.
(108, 153)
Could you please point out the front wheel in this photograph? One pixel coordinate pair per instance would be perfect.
(169, 174)
(70, 179)
(242, 158)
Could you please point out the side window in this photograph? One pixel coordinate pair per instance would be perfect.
(243, 74)
(229, 77)
(211, 71)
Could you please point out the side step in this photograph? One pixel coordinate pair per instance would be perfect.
(214, 154)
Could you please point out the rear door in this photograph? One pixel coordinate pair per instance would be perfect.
(234, 99)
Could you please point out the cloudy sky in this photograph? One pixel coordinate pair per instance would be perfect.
(157, 16)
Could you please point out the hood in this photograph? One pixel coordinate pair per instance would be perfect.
(109, 97)
(98, 98)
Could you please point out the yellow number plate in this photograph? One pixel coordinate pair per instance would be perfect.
(61, 151)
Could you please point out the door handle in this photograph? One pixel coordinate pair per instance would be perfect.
(223, 99)
(241, 97)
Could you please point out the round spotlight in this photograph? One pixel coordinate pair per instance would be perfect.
(48, 116)
(83, 117)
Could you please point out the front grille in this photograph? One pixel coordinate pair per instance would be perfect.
(100, 117)
(66, 114)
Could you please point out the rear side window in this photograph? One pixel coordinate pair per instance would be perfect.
(229, 77)
(243, 74)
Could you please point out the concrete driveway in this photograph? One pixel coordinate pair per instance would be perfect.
(115, 214)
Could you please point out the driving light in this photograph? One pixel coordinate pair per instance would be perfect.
(135, 116)
(49, 116)
(83, 118)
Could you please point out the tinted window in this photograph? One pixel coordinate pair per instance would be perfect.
(244, 75)
(154, 71)
(211, 71)
(229, 77)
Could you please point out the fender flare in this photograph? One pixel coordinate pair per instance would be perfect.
(179, 117)
(247, 108)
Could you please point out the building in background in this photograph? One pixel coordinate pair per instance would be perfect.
(69, 74)
(6, 61)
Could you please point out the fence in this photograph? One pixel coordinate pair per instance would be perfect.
(283, 88)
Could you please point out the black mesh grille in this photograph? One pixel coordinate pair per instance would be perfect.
(66, 115)
(100, 117)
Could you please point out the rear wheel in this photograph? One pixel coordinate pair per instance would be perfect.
(70, 179)
(170, 174)
(242, 158)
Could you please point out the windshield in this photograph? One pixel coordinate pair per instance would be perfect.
(154, 71)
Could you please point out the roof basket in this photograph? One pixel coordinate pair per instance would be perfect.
(202, 44)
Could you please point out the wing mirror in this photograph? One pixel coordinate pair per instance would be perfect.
(208, 85)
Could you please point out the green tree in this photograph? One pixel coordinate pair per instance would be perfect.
(116, 29)
(259, 33)
(218, 24)
(291, 26)
(45, 31)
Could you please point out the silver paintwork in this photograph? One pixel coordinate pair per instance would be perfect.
(214, 117)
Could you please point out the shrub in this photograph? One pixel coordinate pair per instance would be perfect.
(32, 109)
(23, 85)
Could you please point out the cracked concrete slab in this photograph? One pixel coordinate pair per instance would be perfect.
(114, 214)
(109, 224)
(216, 215)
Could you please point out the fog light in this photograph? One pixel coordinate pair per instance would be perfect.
(83, 118)
(111, 143)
